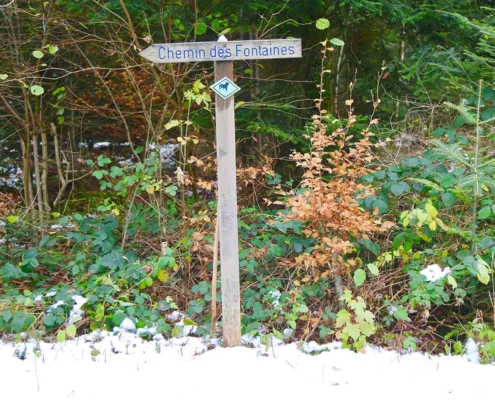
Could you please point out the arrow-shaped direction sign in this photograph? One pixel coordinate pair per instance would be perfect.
(223, 51)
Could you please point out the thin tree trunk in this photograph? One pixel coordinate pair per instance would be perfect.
(256, 74)
(37, 177)
(44, 173)
(25, 171)
(338, 288)
(58, 161)
(402, 58)
(337, 83)
(27, 161)
(29, 176)
(38, 118)
(477, 186)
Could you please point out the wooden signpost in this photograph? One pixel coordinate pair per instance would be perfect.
(223, 53)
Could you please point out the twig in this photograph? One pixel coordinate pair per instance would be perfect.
(214, 282)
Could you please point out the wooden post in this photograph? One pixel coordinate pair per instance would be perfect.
(227, 206)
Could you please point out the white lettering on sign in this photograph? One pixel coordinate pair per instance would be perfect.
(223, 51)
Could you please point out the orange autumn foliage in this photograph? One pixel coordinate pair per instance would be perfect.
(328, 206)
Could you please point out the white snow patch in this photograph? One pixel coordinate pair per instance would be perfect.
(433, 272)
(288, 332)
(313, 347)
(58, 227)
(167, 152)
(120, 365)
(187, 329)
(128, 325)
(148, 332)
(77, 313)
(176, 316)
(13, 176)
(275, 294)
(472, 352)
(128, 161)
(58, 303)
(99, 145)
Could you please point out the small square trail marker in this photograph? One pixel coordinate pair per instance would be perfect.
(225, 88)
(223, 53)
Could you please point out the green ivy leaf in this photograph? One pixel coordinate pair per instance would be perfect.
(322, 24)
(194, 307)
(12, 219)
(61, 335)
(71, 331)
(50, 320)
(118, 318)
(448, 198)
(116, 171)
(337, 42)
(3, 77)
(9, 271)
(98, 174)
(483, 271)
(27, 267)
(37, 90)
(177, 331)
(438, 132)
(18, 322)
(373, 269)
(102, 160)
(352, 330)
(38, 54)
(484, 213)
(215, 25)
(431, 210)
(200, 28)
(400, 187)
(343, 318)
(171, 190)
(452, 282)
(52, 49)
(428, 183)
(411, 162)
(448, 181)
(7, 315)
(401, 314)
(163, 275)
(359, 277)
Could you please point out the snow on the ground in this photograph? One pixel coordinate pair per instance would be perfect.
(11, 176)
(434, 272)
(120, 365)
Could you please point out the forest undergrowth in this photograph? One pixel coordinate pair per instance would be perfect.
(345, 232)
